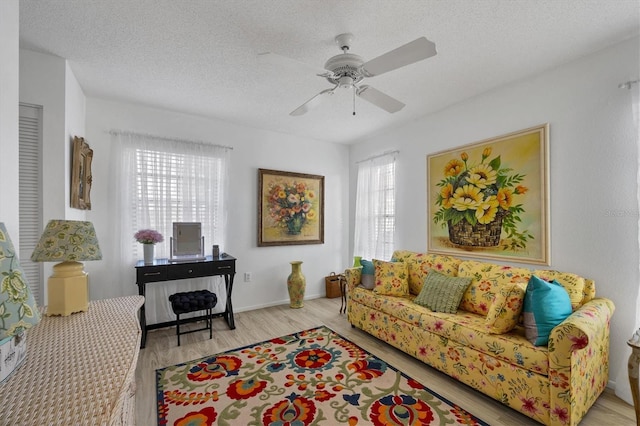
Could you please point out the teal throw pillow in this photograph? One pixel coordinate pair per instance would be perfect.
(442, 293)
(367, 274)
(546, 304)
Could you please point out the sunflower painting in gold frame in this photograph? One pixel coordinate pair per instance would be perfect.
(490, 199)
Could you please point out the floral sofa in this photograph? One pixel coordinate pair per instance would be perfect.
(554, 384)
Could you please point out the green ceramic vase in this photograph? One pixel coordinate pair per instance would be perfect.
(296, 284)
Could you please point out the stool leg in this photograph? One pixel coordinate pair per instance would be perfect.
(178, 327)
(210, 320)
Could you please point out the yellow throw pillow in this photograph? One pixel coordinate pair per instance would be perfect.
(506, 308)
(391, 278)
(572, 283)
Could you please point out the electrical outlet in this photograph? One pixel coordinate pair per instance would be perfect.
(247, 277)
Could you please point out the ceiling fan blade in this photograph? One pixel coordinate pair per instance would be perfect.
(279, 60)
(411, 52)
(312, 103)
(379, 99)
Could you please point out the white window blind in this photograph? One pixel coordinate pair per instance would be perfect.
(30, 194)
(179, 187)
(376, 207)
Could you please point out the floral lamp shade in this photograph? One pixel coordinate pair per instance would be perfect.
(67, 240)
(18, 310)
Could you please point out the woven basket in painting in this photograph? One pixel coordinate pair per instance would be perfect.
(478, 235)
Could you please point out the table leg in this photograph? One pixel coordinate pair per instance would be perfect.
(143, 315)
(228, 281)
(633, 367)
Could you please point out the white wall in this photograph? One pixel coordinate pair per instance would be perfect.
(252, 149)
(9, 190)
(42, 82)
(593, 152)
(48, 81)
(74, 125)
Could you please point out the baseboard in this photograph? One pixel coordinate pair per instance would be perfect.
(276, 303)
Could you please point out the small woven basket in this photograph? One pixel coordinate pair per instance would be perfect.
(478, 235)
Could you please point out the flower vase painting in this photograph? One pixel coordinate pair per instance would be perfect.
(291, 208)
(490, 199)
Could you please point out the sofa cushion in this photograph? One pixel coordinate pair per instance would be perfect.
(419, 264)
(506, 308)
(401, 307)
(546, 304)
(572, 283)
(442, 293)
(465, 328)
(487, 278)
(367, 274)
(390, 278)
(470, 330)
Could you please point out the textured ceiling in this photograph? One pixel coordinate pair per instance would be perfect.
(201, 57)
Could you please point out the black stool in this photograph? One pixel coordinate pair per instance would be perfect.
(192, 301)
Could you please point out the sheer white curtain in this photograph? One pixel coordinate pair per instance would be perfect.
(635, 105)
(376, 207)
(157, 181)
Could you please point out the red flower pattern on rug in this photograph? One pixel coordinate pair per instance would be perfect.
(311, 377)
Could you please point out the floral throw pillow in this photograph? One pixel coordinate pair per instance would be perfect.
(504, 312)
(391, 278)
(18, 309)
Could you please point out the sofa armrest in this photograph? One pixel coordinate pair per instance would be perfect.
(582, 329)
(353, 277)
(579, 361)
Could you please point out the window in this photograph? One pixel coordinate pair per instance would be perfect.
(376, 207)
(157, 181)
(179, 187)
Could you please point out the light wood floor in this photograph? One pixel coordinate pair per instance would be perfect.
(262, 324)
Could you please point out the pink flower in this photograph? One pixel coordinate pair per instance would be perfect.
(148, 236)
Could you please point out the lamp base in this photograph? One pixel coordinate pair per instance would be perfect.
(68, 289)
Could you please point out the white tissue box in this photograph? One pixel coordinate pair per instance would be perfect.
(13, 351)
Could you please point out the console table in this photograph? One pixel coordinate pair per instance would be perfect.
(79, 370)
(164, 270)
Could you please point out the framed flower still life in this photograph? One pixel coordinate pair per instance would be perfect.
(290, 208)
(490, 199)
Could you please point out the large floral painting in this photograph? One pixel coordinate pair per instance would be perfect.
(291, 208)
(490, 199)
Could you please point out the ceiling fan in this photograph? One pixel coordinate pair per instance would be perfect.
(348, 70)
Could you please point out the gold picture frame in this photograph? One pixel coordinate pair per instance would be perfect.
(490, 199)
(290, 208)
(81, 177)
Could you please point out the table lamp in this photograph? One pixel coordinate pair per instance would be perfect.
(18, 307)
(68, 242)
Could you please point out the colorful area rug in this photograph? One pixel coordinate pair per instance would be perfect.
(314, 377)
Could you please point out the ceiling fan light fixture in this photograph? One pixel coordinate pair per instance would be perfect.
(345, 82)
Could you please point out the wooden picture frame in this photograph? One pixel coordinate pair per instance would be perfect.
(81, 177)
(290, 208)
(490, 199)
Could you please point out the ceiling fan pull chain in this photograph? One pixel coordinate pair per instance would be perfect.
(354, 100)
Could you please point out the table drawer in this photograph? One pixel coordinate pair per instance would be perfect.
(151, 274)
(189, 270)
(224, 267)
